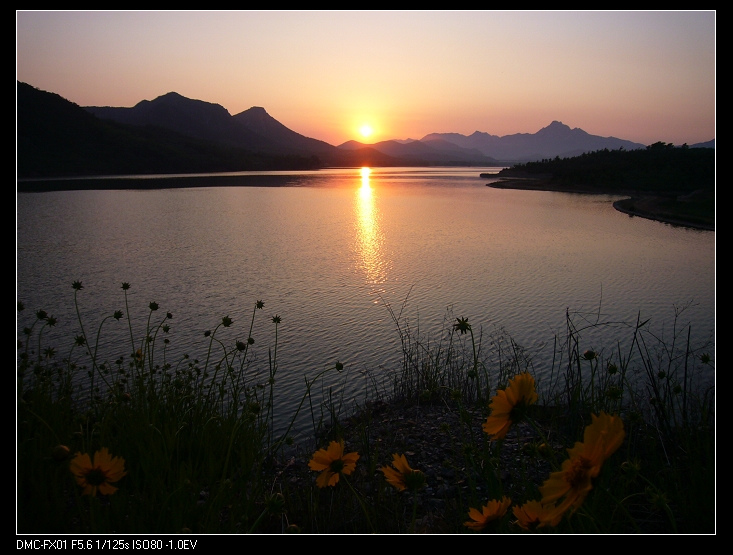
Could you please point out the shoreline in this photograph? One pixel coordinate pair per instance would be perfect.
(626, 206)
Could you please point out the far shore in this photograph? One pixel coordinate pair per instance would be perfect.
(638, 204)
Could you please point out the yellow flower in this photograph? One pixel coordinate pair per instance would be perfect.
(508, 405)
(402, 476)
(573, 481)
(533, 515)
(493, 510)
(97, 475)
(332, 463)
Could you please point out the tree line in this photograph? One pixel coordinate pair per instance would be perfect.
(660, 168)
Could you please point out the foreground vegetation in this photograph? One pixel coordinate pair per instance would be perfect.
(625, 434)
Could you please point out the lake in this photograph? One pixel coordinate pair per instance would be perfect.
(329, 251)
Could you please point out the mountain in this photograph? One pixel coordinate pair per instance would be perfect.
(706, 144)
(253, 129)
(435, 151)
(557, 139)
(172, 134)
(57, 138)
(175, 134)
(256, 120)
(194, 118)
(256, 130)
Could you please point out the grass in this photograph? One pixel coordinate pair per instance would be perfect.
(200, 455)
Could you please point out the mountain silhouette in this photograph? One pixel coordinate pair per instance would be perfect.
(436, 151)
(57, 138)
(256, 130)
(557, 139)
(194, 118)
(175, 134)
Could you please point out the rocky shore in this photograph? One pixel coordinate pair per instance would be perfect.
(440, 439)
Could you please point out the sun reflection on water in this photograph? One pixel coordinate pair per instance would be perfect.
(369, 238)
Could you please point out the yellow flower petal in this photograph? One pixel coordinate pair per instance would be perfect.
(323, 461)
(96, 475)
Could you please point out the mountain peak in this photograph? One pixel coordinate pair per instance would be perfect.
(556, 126)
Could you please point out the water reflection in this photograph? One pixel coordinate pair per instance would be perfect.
(369, 238)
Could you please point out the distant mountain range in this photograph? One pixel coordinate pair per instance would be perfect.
(175, 134)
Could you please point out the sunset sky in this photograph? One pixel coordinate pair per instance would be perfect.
(643, 76)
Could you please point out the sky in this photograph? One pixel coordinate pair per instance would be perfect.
(642, 76)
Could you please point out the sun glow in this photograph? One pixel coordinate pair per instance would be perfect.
(366, 130)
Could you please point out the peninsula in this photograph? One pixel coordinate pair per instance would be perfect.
(675, 185)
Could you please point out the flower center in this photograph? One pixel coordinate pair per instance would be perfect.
(518, 412)
(414, 479)
(96, 477)
(577, 474)
(337, 466)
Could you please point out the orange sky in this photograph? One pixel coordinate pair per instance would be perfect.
(641, 76)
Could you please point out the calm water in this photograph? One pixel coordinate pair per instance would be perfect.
(327, 250)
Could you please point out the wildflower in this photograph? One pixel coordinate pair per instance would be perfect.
(589, 355)
(260, 304)
(77, 285)
(602, 437)
(402, 476)
(339, 366)
(276, 319)
(241, 346)
(51, 321)
(125, 286)
(41, 314)
(533, 515)
(153, 305)
(79, 340)
(508, 405)
(332, 463)
(493, 510)
(117, 315)
(705, 358)
(462, 326)
(226, 321)
(251, 340)
(97, 475)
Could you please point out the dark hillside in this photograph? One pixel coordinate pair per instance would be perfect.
(57, 138)
(661, 169)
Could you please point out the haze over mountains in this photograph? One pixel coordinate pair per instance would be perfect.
(175, 134)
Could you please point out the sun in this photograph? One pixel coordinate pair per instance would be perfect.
(366, 130)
